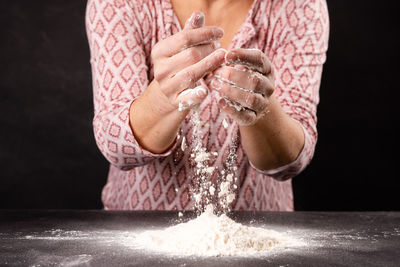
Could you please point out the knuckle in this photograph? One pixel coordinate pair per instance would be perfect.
(194, 54)
(157, 73)
(257, 103)
(210, 48)
(255, 82)
(227, 73)
(184, 38)
(207, 35)
(160, 72)
(260, 103)
(247, 117)
(260, 54)
(265, 65)
(190, 75)
(270, 91)
(251, 100)
(263, 105)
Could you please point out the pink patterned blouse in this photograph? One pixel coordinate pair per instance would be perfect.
(294, 36)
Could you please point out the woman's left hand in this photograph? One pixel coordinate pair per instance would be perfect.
(245, 84)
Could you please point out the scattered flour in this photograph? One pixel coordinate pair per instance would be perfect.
(183, 144)
(225, 123)
(223, 188)
(202, 170)
(212, 190)
(193, 92)
(209, 234)
(212, 235)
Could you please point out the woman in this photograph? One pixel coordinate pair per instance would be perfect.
(263, 89)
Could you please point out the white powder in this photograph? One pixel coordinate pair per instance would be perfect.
(183, 144)
(230, 198)
(212, 235)
(223, 189)
(212, 190)
(188, 104)
(184, 105)
(202, 170)
(209, 234)
(210, 170)
(225, 123)
(202, 156)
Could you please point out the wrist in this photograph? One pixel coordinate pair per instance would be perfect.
(269, 119)
(153, 120)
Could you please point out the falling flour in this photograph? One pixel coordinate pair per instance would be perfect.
(212, 235)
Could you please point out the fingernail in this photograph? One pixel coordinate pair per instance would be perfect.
(199, 20)
(216, 84)
(222, 103)
(200, 91)
(218, 32)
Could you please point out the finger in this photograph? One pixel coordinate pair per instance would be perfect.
(188, 77)
(196, 20)
(187, 38)
(253, 58)
(240, 77)
(190, 98)
(243, 117)
(249, 100)
(188, 57)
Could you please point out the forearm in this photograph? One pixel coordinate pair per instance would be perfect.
(274, 141)
(154, 121)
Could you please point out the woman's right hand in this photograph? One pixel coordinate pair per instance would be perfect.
(179, 61)
(182, 59)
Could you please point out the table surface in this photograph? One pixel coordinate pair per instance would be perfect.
(100, 238)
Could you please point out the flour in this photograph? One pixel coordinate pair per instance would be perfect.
(223, 188)
(202, 170)
(201, 156)
(212, 235)
(212, 190)
(188, 103)
(183, 144)
(225, 123)
(209, 234)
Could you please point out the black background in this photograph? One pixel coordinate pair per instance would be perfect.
(48, 157)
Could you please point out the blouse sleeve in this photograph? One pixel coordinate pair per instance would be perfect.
(120, 75)
(299, 44)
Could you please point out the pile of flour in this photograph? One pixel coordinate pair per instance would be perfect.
(212, 235)
(209, 234)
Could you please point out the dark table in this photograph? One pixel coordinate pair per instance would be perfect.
(98, 238)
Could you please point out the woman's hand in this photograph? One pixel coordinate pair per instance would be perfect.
(245, 84)
(181, 60)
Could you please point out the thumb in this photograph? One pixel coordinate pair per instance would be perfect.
(196, 20)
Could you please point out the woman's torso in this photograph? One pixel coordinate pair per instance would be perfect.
(166, 183)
